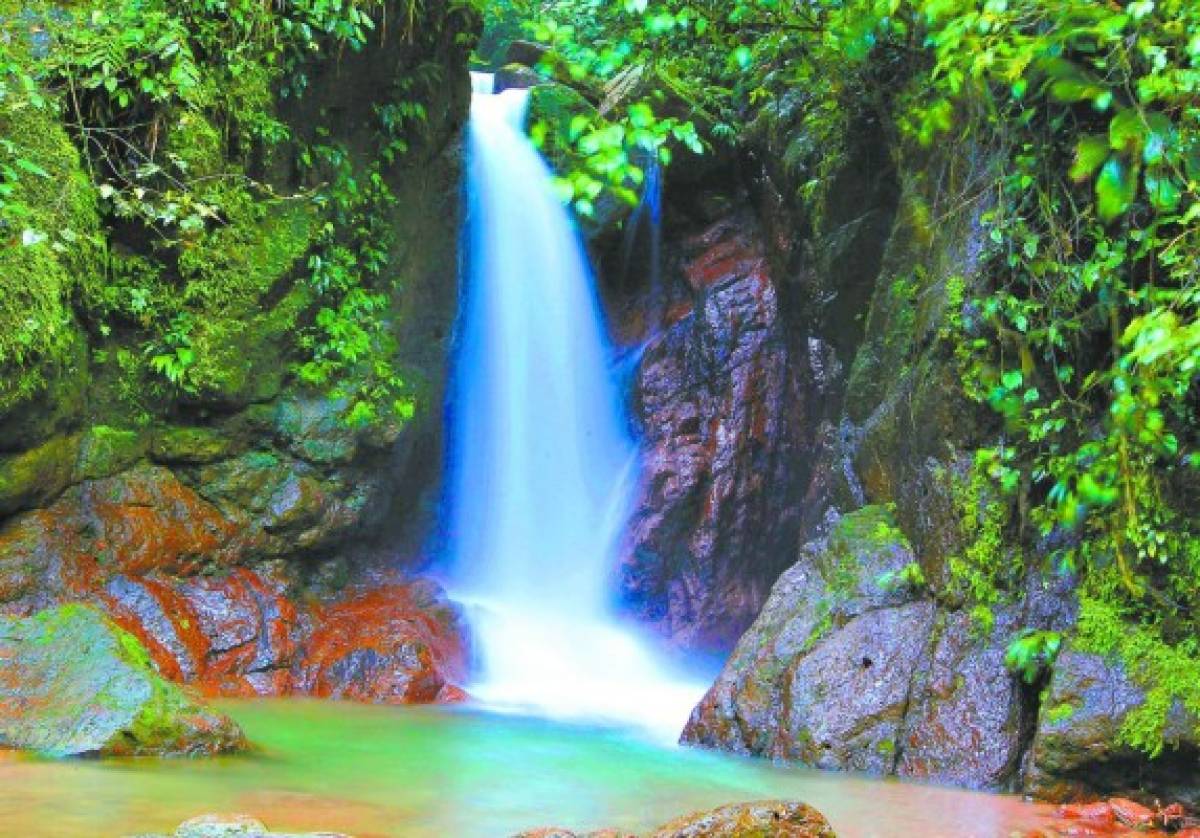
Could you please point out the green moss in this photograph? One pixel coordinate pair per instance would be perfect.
(231, 275)
(1169, 673)
(38, 474)
(984, 572)
(45, 254)
(105, 451)
(193, 445)
(891, 344)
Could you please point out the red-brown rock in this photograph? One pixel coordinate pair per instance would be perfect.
(717, 397)
(392, 645)
(1131, 813)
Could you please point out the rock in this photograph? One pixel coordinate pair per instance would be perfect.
(1076, 749)
(714, 394)
(517, 76)
(106, 451)
(527, 53)
(392, 645)
(764, 819)
(72, 683)
(560, 832)
(190, 445)
(965, 723)
(234, 826)
(1132, 814)
(823, 676)
(851, 667)
(38, 475)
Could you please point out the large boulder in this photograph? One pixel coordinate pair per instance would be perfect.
(72, 683)
(851, 666)
(1079, 750)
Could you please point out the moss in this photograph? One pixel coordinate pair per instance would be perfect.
(37, 279)
(1169, 674)
(104, 451)
(37, 475)
(198, 146)
(887, 354)
(986, 569)
(192, 445)
(231, 279)
(871, 528)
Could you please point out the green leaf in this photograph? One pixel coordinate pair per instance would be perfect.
(1163, 191)
(1115, 188)
(1089, 154)
(1126, 131)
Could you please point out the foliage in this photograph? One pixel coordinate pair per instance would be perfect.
(175, 107)
(1032, 653)
(908, 577)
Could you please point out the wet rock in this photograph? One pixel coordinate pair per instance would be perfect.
(145, 519)
(714, 394)
(823, 675)
(106, 451)
(776, 818)
(560, 832)
(517, 76)
(38, 475)
(1077, 749)
(850, 666)
(73, 683)
(315, 429)
(964, 726)
(234, 826)
(392, 645)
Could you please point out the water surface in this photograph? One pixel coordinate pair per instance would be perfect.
(424, 772)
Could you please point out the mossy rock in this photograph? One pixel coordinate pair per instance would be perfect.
(38, 475)
(241, 280)
(44, 257)
(73, 683)
(105, 451)
(190, 445)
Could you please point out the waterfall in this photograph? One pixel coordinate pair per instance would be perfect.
(542, 464)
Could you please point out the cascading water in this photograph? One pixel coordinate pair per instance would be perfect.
(542, 464)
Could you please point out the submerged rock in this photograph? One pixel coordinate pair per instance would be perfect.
(773, 818)
(759, 819)
(234, 826)
(73, 683)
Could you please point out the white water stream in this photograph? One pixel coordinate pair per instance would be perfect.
(542, 464)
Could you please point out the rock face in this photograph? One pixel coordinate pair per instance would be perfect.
(72, 683)
(718, 397)
(1075, 752)
(849, 667)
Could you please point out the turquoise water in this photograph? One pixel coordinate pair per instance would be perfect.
(382, 771)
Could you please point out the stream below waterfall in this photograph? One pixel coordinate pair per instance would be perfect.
(459, 773)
